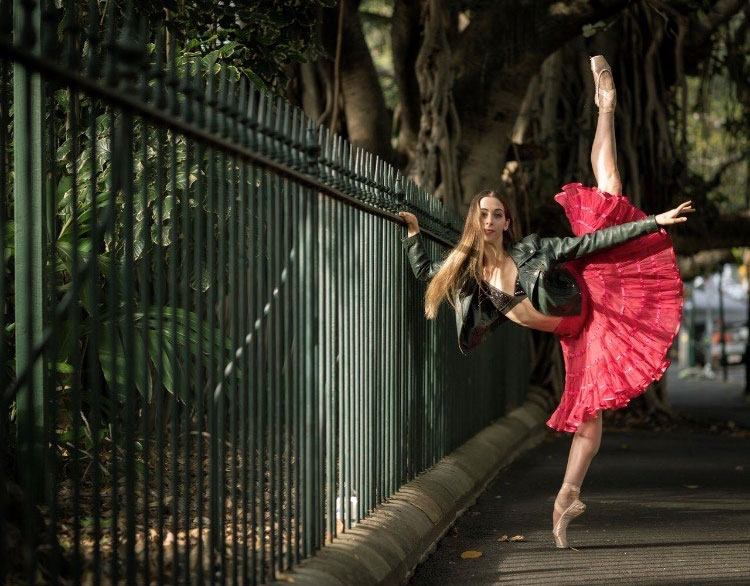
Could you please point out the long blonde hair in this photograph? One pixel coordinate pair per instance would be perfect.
(464, 262)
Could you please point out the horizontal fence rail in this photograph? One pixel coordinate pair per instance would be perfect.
(214, 353)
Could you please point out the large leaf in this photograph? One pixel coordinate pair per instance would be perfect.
(106, 351)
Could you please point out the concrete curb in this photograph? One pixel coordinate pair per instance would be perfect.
(386, 547)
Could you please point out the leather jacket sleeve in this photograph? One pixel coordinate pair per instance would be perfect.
(563, 249)
(424, 268)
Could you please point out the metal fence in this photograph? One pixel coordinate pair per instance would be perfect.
(213, 353)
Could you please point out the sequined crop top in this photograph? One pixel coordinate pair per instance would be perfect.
(500, 299)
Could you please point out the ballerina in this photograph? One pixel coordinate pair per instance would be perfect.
(612, 293)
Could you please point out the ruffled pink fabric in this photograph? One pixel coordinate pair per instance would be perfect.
(632, 311)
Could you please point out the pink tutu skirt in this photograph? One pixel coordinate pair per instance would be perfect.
(631, 311)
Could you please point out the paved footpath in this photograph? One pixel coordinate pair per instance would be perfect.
(663, 508)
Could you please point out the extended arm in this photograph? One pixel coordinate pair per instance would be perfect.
(562, 249)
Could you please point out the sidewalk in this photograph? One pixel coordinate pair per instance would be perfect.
(710, 399)
(666, 508)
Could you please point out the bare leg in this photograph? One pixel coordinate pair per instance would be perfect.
(604, 150)
(583, 448)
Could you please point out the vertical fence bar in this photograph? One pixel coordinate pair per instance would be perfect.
(308, 353)
(392, 388)
(28, 287)
(289, 219)
(211, 365)
(145, 275)
(5, 104)
(253, 367)
(178, 380)
(182, 300)
(254, 372)
(96, 298)
(230, 383)
(301, 347)
(275, 361)
(262, 361)
(340, 421)
(330, 405)
(197, 554)
(244, 251)
(158, 345)
(344, 296)
(222, 403)
(128, 344)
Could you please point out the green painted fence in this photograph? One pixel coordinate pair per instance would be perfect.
(213, 355)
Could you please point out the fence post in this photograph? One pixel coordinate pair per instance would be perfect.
(27, 162)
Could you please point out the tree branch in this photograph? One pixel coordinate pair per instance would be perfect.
(715, 179)
(698, 43)
(505, 31)
(727, 231)
(720, 13)
(703, 262)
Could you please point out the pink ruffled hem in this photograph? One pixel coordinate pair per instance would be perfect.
(632, 311)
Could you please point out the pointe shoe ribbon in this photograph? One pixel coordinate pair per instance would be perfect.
(605, 100)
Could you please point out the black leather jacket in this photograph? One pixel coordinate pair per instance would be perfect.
(550, 286)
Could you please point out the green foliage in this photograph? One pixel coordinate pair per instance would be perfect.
(80, 189)
(715, 139)
(268, 35)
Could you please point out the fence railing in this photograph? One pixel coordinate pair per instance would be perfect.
(214, 356)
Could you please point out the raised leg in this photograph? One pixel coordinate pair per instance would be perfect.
(604, 150)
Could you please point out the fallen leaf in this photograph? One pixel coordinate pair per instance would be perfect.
(691, 485)
(471, 554)
(475, 513)
(503, 538)
(517, 538)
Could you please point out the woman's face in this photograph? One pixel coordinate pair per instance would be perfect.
(493, 220)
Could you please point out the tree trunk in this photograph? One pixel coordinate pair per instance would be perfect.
(406, 31)
(362, 117)
(435, 164)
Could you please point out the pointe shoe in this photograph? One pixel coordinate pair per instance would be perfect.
(605, 100)
(575, 508)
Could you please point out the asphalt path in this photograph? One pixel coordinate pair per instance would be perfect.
(669, 507)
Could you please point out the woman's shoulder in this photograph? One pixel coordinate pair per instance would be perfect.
(525, 248)
(527, 242)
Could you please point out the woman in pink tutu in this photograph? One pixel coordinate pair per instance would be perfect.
(612, 293)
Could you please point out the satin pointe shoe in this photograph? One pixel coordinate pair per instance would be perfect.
(567, 514)
(605, 99)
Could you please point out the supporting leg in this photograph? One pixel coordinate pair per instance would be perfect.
(583, 448)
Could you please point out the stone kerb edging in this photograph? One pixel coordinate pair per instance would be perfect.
(385, 548)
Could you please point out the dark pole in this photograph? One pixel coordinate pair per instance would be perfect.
(722, 326)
